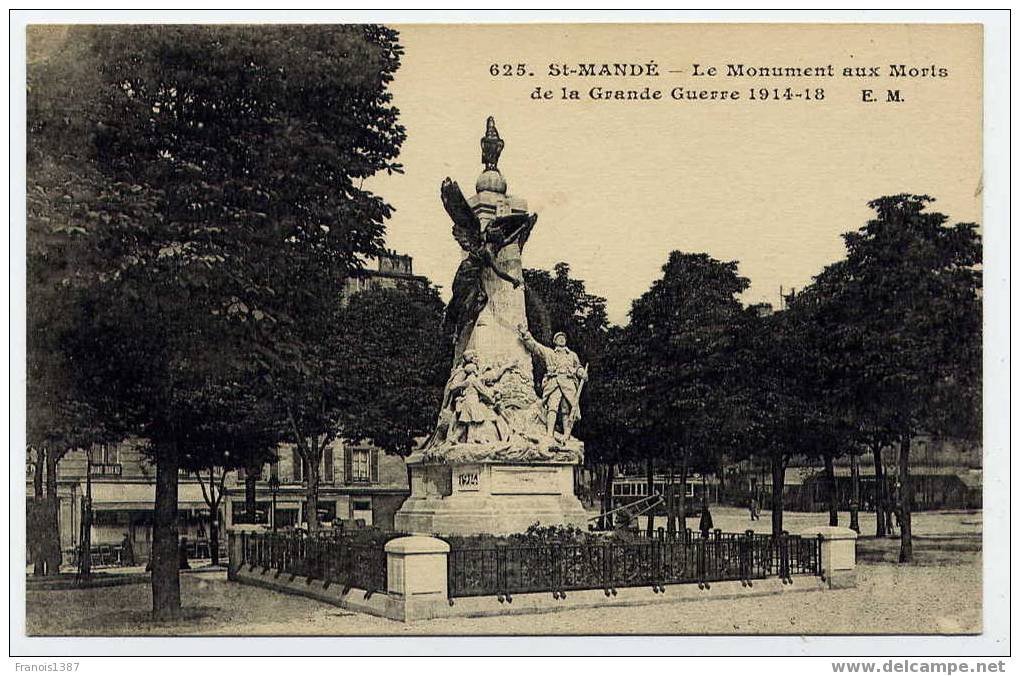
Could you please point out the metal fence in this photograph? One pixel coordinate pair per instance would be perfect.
(327, 557)
(510, 569)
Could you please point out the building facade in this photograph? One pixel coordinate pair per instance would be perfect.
(945, 473)
(358, 482)
(122, 482)
(359, 485)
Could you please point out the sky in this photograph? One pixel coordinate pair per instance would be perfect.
(618, 185)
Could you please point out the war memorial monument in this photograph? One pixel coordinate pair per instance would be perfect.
(501, 456)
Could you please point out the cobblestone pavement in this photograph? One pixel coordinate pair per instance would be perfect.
(940, 593)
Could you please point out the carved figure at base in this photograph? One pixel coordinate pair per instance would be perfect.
(472, 405)
(474, 417)
(562, 385)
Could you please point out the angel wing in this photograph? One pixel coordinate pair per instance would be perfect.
(467, 299)
(504, 229)
(466, 228)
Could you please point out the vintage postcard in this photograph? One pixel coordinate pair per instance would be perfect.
(516, 329)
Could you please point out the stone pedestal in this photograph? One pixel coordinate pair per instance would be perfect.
(839, 555)
(490, 497)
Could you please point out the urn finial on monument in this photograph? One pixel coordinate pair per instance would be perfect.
(491, 179)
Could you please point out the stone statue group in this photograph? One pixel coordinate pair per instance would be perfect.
(491, 410)
(473, 407)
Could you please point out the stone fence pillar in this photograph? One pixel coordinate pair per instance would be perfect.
(416, 574)
(839, 554)
(234, 547)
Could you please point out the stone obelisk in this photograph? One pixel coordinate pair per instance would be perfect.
(491, 466)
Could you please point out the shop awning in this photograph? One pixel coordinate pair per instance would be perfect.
(141, 496)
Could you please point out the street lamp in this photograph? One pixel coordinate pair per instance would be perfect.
(274, 488)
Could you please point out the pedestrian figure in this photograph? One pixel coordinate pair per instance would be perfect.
(705, 525)
(127, 551)
(754, 508)
(183, 555)
(892, 498)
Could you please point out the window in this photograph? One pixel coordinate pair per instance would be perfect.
(106, 460)
(286, 518)
(106, 454)
(361, 465)
(327, 512)
(242, 474)
(298, 467)
(239, 515)
(326, 473)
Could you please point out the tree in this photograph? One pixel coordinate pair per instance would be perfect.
(59, 415)
(211, 157)
(229, 430)
(775, 409)
(610, 438)
(398, 362)
(373, 367)
(912, 338)
(679, 398)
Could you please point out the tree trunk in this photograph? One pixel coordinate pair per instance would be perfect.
(906, 498)
(85, 539)
(671, 503)
(650, 479)
(855, 492)
(607, 497)
(38, 555)
(214, 535)
(681, 516)
(880, 497)
(830, 479)
(166, 580)
(52, 537)
(778, 482)
(312, 487)
(249, 495)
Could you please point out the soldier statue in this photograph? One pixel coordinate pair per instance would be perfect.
(561, 387)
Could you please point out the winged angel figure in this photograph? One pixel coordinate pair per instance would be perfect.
(482, 248)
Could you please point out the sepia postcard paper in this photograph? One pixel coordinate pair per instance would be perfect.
(504, 329)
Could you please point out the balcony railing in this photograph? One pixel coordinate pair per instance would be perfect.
(106, 469)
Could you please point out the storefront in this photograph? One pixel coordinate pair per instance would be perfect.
(124, 508)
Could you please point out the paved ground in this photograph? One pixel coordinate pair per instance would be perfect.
(940, 593)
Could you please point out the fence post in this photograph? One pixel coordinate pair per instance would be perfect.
(837, 556)
(700, 542)
(237, 547)
(784, 556)
(747, 556)
(416, 574)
